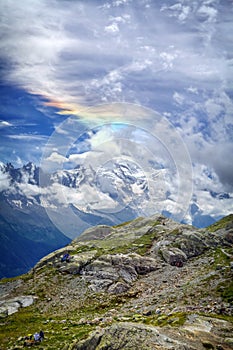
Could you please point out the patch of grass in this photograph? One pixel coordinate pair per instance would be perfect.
(19, 324)
(226, 290)
(24, 277)
(144, 243)
(97, 306)
(58, 330)
(177, 231)
(220, 258)
(221, 223)
(176, 319)
(140, 245)
(124, 243)
(82, 249)
(217, 316)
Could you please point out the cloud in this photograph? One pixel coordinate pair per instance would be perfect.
(4, 180)
(64, 41)
(176, 59)
(208, 13)
(28, 137)
(55, 157)
(4, 124)
(206, 183)
(112, 28)
(219, 157)
(177, 10)
(77, 159)
(179, 98)
(86, 196)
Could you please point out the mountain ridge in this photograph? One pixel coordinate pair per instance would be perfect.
(121, 182)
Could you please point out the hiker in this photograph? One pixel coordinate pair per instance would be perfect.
(37, 336)
(41, 335)
(66, 257)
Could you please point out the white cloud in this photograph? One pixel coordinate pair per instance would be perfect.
(30, 190)
(184, 14)
(120, 2)
(208, 12)
(178, 10)
(178, 98)
(193, 90)
(86, 196)
(4, 124)
(78, 159)
(112, 28)
(121, 19)
(4, 181)
(28, 137)
(56, 158)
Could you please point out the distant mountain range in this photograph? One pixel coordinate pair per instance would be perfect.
(41, 212)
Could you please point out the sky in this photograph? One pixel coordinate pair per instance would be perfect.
(151, 81)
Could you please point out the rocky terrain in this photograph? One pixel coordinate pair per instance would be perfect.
(146, 284)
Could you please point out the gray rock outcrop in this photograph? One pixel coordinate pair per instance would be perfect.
(10, 306)
(196, 334)
(115, 273)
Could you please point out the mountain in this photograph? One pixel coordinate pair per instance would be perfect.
(118, 191)
(150, 283)
(26, 234)
(43, 211)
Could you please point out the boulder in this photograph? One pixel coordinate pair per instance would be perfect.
(228, 236)
(192, 244)
(173, 256)
(90, 343)
(10, 306)
(118, 288)
(128, 274)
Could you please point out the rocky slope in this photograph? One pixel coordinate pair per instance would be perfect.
(147, 284)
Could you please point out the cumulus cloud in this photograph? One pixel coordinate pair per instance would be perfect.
(4, 124)
(174, 58)
(208, 12)
(112, 28)
(55, 157)
(219, 157)
(4, 181)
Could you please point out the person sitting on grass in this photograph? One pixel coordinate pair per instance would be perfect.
(41, 335)
(37, 336)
